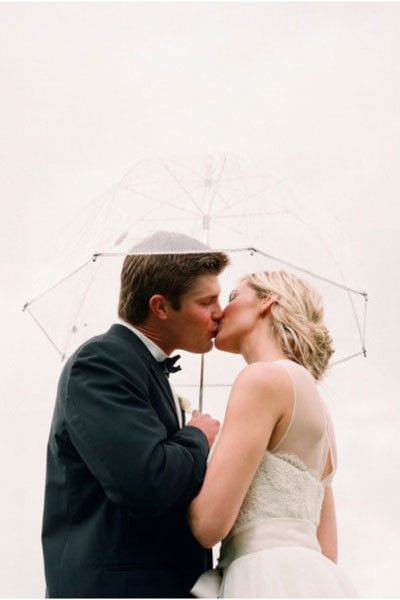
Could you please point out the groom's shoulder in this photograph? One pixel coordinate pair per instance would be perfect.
(117, 344)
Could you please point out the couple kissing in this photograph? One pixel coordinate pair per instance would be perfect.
(133, 501)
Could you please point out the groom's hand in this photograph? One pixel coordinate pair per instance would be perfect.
(207, 424)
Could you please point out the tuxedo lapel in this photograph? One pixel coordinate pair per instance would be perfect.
(163, 383)
(155, 367)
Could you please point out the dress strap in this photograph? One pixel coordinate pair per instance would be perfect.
(331, 446)
(276, 447)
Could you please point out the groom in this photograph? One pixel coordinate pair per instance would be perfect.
(122, 466)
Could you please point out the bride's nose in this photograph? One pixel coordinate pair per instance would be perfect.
(225, 310)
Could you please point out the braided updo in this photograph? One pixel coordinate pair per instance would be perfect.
(297, 318)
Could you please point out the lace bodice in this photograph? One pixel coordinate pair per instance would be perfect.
(288, 482)
(282, 487)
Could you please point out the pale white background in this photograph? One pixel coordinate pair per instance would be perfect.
(311, 89)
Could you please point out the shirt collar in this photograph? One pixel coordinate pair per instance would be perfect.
(155, 350)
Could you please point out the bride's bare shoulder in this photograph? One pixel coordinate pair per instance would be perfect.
(262, 380)
(262, 373)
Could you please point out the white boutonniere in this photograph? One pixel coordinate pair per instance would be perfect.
(185, 404)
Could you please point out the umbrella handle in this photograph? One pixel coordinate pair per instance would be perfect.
(201, 384)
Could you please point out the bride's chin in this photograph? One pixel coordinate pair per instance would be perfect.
(222, 344)
(218, 343)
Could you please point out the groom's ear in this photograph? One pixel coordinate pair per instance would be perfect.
(158, 305)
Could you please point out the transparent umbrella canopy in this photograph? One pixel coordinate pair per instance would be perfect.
(261, 222)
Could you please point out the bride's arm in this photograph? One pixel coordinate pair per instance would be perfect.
(256, 403)
(327, 529)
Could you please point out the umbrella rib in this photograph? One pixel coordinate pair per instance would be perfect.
(247, 217)
(186, 167)
(84, 226)
(45, 332)
(232, 250)
(340, 271)
(365, 322)
(266, 189)
(170, 219)
(260, 214)
(204, 198)
(247, 198)
(355, 316)
(223, 226)
(58, 282)
(217, 183)
(197, 251)
(342, 360)
(195, 216)
(246, 177)
(149, 212)
(161, 202)
(285, 262)
(110, 202)
(172, 174)
(221, 196)
(81, 305)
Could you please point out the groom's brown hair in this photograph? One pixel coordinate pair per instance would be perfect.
(171, 275)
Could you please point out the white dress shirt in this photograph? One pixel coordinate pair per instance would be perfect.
(159, 355)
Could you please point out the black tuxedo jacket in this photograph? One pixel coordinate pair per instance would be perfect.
(120, 476)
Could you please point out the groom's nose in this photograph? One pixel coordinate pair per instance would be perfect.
(217, 313)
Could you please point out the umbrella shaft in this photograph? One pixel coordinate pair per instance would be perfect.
(201, 383)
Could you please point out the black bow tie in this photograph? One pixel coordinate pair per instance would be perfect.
(168, 365)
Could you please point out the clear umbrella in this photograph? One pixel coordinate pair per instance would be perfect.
(262, 222)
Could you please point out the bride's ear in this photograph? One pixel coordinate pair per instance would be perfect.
(268, 303)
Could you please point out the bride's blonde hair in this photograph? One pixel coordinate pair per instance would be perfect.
(297, 318)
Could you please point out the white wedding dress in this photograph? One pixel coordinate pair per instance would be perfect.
(272, 550)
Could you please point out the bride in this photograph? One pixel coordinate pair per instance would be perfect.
(267, 492)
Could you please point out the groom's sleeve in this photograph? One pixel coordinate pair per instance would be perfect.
(119, 436)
